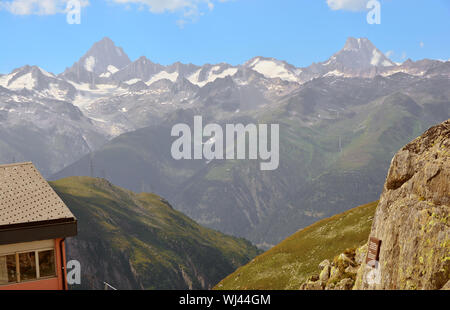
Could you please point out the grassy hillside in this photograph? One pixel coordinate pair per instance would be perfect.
(288, 264)
(135, 241)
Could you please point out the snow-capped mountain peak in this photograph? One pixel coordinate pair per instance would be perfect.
(273, 68)
(142, 69)
(209, 73)
(355, 44)
(102, 60)
(103, 54)
(359, 53)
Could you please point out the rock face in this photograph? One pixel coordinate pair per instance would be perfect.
(412, 218)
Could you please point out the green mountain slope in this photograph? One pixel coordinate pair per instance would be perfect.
(288, 264)
(337, 138)
(138, 241)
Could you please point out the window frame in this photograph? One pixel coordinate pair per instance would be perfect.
(36, 254)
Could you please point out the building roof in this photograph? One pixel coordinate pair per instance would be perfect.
(25, 196)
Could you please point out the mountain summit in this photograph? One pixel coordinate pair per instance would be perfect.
(103, 55)
(362, 53)
(105, 63)
(359, 57)
(103, 59)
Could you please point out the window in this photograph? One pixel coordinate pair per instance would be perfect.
(8, 270)
(27, 263)
(47, 263)
(27, 266)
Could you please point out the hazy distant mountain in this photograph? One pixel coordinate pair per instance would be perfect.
(341, 120)
(120, 96)
(38, 123)
(142, 69)
(337, 135)
(358, 54)
(101, 61)
(39, 81)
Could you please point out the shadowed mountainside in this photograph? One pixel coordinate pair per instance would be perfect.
(138, 241)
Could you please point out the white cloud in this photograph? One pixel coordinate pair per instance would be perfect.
(161, 6)
(347, 5)
(422, 44)
(37, 7)
(190, 10)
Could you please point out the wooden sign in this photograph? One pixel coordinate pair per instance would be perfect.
(373, 251)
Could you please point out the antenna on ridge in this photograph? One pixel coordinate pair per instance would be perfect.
(91, 166)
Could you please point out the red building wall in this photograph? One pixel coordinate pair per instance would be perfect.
(46, 284)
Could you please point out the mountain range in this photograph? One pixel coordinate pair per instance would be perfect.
(341, 122)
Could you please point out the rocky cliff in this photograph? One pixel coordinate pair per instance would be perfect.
(412, 218)
(412, 222)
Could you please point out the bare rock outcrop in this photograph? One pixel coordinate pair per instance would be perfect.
(412, 218)
(340, 274)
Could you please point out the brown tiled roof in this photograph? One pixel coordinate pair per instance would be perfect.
(26, 197)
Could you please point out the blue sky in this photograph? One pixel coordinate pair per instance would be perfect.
(212, 31)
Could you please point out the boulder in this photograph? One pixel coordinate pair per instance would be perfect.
(412, 217)
(344, 284)
(324, 263)
(325, 273)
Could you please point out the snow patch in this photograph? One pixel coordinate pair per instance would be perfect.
(98, 119)
(272, 69)
(163, 75)
(54, 92)
(215, 68)
(132, 81)
(212, 76)
(329, 61)
(377, 59)
(386, 63)
(335, 73)
(194, 78)
(4, 80)
(112, 69)
(25, 81)
(46, 73)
